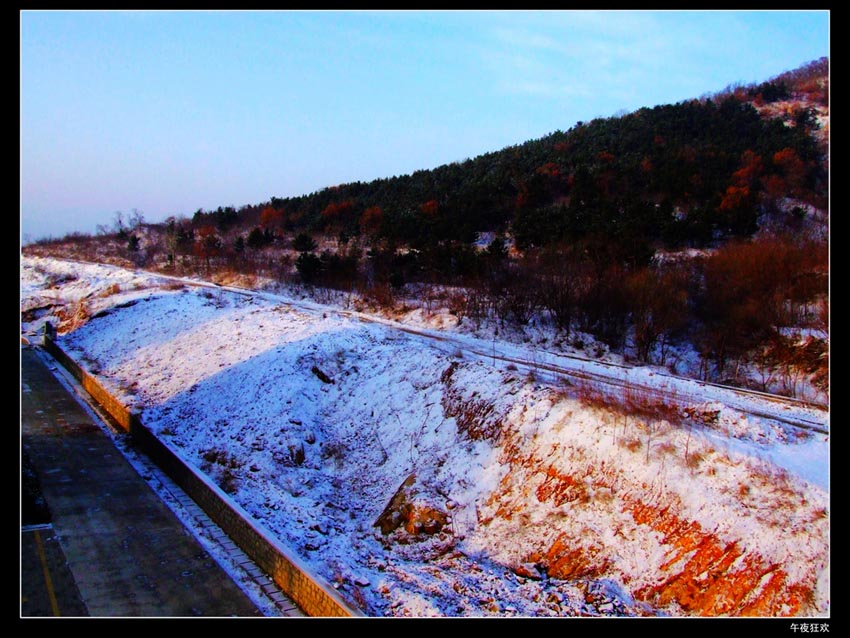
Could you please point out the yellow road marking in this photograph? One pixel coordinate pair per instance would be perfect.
(52, 594)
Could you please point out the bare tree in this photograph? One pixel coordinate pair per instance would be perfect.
(136, 219)
(118, 225)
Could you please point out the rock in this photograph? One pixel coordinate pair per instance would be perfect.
(528, 570)
(297, 454)
(411, 510)
(321, 375)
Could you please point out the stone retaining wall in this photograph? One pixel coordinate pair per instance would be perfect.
(310, 592)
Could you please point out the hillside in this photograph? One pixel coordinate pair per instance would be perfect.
(426, 473)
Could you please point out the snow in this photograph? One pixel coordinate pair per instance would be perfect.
(311, 417)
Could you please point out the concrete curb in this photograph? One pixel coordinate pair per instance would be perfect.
(309, 591)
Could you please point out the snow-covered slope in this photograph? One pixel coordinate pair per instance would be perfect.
(425, 478)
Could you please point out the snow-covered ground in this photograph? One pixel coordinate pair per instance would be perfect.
(428, 472)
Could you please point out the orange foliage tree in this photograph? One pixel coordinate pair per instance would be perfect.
(337, 213)
(208, 244)
(792, 168)
(371, 220)
(430, 208)
(272, 218)
(750, 171)
(735, 197)
(738, 204)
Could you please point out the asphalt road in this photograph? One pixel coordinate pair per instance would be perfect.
(99, 542)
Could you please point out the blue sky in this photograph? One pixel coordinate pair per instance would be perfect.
(168, 112)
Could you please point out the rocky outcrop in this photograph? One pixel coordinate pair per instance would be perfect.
(411, 510)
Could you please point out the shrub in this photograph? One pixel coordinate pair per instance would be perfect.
(303, 243)
(309, 267)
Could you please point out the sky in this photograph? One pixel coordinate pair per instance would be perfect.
(166, 112)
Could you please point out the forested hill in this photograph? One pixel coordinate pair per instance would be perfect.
(672, 175)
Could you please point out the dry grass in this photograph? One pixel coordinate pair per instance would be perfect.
(820, 514)
(72, 317)
(55, 280)
(633, 444)
(114, 289)
(694, 460)
(639, 412)
(666, 447)
(222, 466)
